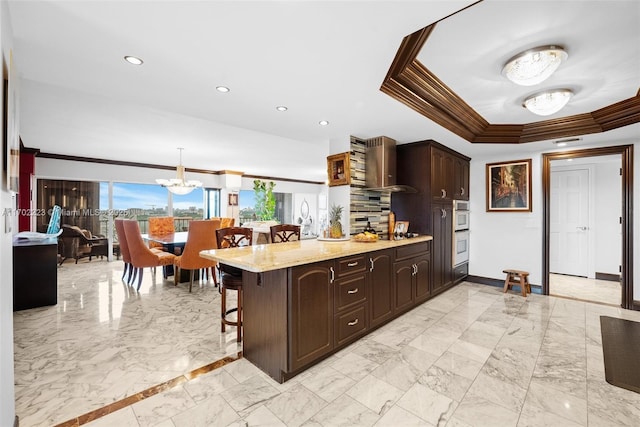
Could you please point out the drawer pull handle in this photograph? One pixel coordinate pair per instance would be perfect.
(352, 291)
(353, 322)
(444, 193)
(333, 274)
(371, 261)
(352, 264)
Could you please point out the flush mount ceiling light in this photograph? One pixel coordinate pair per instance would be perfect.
(534, 65)
(548, 102)
(323, 123)
(222, 89)
(179, 185)
(281, 108)
(133, 60)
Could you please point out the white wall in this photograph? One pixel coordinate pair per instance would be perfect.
(7, 201)
(500, 240)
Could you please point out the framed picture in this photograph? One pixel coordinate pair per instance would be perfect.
(338, 169)
(401, 227)
(509, 186)
(233, 199)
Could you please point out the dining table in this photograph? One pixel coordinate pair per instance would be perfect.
(169, 243)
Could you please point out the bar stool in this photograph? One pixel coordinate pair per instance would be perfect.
(517, 277)
(231, 277)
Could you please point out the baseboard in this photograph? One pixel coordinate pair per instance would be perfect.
(499, 283)
(485, 281)
(607, 276)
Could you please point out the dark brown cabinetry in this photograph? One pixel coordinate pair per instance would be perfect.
(440, 175)
(461, 178)
(350, 315)
(296, 316)
(35, 274)
(412, 272)
(442, 223)
(312, 300)
(381, 289)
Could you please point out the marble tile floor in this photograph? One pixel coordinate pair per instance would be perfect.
(104, 341)
(472, 356)
(582, 288)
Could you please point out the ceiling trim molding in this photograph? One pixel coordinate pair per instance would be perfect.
(411, 83)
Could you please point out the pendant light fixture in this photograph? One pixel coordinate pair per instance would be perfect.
(179, 185)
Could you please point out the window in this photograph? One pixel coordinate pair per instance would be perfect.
(247, 202)
(211, 202)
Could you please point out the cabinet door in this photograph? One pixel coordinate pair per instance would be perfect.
(461, 179)
(422, 277)
(380, 286)
(442, 174)
(403, 278)
(441, 217)
(311, 313)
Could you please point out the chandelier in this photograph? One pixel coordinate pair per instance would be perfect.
(547, 102)
(535, 65)
(179, 185)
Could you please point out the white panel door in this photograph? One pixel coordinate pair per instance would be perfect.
(569, 222)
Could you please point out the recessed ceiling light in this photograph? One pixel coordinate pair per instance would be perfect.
(133, 60)
(222, 89)
(564, 142)
(281, 108)
(323, 122)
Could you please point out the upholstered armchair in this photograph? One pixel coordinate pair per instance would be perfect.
(77, 243)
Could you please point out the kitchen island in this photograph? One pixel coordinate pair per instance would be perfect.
(305, 300)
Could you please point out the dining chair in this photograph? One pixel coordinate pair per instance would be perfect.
(161, 226)
(284, 233)
(202, 236)
(124, 249)
(225, 222)
(141, 255)
(231, 277)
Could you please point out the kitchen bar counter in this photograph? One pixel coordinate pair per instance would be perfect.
(261, 258)
(303, 301)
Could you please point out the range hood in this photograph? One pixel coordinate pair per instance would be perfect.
(380, 166)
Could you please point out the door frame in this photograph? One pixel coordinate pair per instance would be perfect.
(626, 152)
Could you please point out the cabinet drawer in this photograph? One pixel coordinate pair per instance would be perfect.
(412, 250)
(354, 264)
(350, 291)
(350, 325)
(460, 272)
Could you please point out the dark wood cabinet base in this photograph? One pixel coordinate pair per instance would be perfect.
(35, 274)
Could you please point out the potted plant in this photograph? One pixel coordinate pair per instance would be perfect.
(335, 226)
(265, 200)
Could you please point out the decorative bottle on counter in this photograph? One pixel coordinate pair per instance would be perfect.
(392, 224)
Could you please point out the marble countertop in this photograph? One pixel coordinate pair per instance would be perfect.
(261, 258)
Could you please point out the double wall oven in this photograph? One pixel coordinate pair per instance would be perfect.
(460, 232)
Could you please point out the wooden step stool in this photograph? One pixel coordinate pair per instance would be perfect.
(517, 277)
